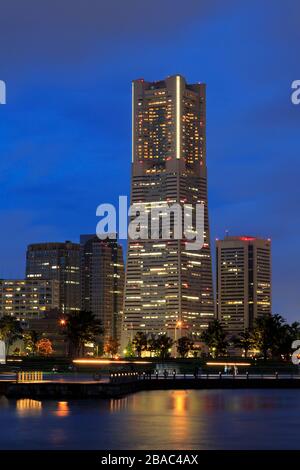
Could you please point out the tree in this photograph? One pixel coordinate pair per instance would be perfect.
(111, 347)
(80, 328)
(139, 343)
(295, 330)
(284, 339)
(244, 341)
(10, 331)
(184, 346)
(268, 334)
(215, 338)
(164, 344)
(30, 339)
(153, 346)
(129, 352)
(44, 347)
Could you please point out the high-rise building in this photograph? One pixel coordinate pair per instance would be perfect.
(168, 288)
(102, 282)
(243, 281)
(28, 298)
(60, 262)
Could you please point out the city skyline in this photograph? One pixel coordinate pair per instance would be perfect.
(64, 135)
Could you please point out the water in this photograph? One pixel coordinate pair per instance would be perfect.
(192, 419)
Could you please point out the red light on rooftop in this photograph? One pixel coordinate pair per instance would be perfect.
(247, 239)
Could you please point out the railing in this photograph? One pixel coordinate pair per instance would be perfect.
(29, 376)
(120, 377)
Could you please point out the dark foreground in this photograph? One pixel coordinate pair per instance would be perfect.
(178, 419)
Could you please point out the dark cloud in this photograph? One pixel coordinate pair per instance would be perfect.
(68, 31)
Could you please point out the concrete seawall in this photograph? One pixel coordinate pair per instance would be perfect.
(58, 390)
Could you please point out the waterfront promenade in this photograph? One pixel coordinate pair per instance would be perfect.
(120, 384)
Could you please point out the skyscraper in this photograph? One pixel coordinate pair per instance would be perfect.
(102, 282)
(28, 298)
(243, 281)
(61, 262)
(168, 288)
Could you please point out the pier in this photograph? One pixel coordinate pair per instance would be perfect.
(119, 384)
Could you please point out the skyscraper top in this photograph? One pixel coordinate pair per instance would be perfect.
(245, 238)
(168, 123)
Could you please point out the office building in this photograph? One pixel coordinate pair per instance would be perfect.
(60, 262)
(168, 288)
(102, 282)
(29, 298)
(243, 281)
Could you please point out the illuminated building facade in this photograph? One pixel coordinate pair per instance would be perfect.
(102, 282)
(243, 281)
(60, 262)
(28, 298)
(168, 288)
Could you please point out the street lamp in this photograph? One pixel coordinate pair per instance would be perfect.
(177, 325)
(62, 323)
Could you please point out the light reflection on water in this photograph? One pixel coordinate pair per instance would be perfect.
(179, 419)
(28, 407)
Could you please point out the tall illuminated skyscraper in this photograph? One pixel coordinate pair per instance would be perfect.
(168, 288)
(102, 283)
(60, 262)
(243, 281)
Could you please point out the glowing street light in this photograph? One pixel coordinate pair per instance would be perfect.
(178, 324)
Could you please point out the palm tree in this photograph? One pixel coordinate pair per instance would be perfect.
(285, 337)
(268, 334)
(80, 328)
(10, 331)
(153, 344)
(184, 346)
(164, 344)
(244, 341)
(215, 338)
(139, 343)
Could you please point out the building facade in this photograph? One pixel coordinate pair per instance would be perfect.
(102, 282)
(168, 288)
(60, 262)
(243, 281)
(29, 298)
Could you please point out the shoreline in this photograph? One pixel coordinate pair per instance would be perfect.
(85, 390)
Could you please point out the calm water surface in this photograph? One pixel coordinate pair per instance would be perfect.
(192, 419)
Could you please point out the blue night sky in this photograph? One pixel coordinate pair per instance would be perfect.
(65, 131)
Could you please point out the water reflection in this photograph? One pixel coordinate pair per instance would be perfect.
(63, 409)
(28, 407)
(180, 401)
(178, 419)
(118, 404)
